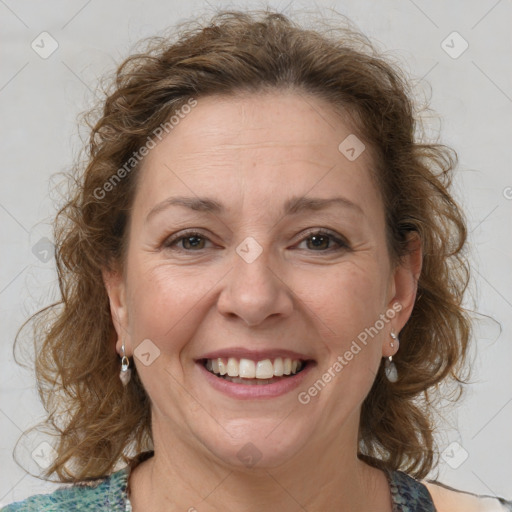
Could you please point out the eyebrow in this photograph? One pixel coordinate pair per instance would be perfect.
(292, 206)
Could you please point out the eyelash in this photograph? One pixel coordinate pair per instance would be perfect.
(342, 244)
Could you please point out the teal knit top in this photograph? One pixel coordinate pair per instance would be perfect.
(110, 494)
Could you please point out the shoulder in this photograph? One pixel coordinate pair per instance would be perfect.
(448, 499)
(108, 493)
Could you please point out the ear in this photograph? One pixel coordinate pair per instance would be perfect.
(404, 285)
(116, 291)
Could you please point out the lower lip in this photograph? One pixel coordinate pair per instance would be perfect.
(252, 391)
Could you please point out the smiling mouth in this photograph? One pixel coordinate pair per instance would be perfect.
(247, 371)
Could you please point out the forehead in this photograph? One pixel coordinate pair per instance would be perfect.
(290, 119)
(260, 144)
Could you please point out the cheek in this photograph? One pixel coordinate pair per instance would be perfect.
(346, 308)
(164, 303)
(350, 299)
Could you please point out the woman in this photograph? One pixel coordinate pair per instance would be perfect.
(274, 263)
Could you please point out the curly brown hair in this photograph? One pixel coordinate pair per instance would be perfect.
(99, 423)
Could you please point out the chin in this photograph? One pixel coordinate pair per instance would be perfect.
(255, 444)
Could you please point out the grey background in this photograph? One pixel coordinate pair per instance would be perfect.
(40, 99)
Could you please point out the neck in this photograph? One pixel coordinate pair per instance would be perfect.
(179, 477)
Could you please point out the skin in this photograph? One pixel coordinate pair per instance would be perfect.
(252, 153)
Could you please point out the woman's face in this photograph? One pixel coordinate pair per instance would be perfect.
(236, 269)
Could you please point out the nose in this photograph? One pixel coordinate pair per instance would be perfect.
(254, 292)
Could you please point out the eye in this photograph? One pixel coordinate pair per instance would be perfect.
(321, 241)
(318, 240)
(190, 240)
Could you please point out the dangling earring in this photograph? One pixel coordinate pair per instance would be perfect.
(390, 367)
(125, 374)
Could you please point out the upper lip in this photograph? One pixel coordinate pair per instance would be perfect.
(255, 355)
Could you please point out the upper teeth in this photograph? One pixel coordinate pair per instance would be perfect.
(249, 369)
